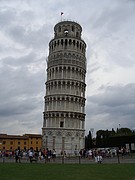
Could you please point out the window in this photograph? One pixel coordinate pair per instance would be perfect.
(55, 43)
(4, 142)
(61, 41)
(36, 142)
(19, 143)
(66, 32)
(31, 142)
(11, 143)
(24, 142)
(59, 28)
(66, 42)
(77, 44)
(77, 34)
(73, 28)
(61, 124)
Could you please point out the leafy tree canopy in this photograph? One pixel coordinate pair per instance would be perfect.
(124, 131)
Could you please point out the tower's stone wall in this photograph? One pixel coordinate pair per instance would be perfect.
(64, 113)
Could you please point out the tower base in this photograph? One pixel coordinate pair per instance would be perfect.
(70, 141)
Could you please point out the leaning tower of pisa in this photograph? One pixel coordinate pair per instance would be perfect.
(64, 113)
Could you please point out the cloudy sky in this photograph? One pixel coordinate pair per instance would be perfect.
(26, 27)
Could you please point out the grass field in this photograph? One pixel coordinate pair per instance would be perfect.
(13, 171)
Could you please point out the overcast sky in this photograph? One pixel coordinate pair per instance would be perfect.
(26, 27)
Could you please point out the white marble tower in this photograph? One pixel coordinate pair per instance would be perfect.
(64, 113)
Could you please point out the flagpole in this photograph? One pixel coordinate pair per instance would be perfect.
(61, 15)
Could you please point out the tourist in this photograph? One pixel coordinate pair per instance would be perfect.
(99, 159)
(54, 155)
(16, 155)
(30, 155)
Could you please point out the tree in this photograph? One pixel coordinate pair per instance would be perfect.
(103, 138)
(124, 131)
(88, 141)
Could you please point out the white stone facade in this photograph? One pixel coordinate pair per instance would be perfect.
(64, 113)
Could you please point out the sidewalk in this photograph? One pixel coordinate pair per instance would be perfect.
(74, 160)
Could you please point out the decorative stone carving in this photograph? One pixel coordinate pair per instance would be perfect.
(59, 133)
(49, 132)
(68, 133)
(82, 134)
(77, 134)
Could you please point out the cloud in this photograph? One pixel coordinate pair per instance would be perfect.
(27, 28)
(22, 91)
(114, 105)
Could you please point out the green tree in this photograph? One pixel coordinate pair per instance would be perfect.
(124, 131)
(88, 141)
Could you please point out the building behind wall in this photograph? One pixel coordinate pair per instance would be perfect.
(64, 113)
(24, 142)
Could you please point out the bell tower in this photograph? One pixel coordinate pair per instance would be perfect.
(64, 112)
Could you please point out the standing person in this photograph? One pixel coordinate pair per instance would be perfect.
(16, 155)
(30, 155)
(75, 152)
(10, 154)
(3, 155)
(47, 155)
(0, 153)
(19, 155)
(39, 155)
(54, 155)
(99, 159)
(90, 154)
(84, 153)
(65, 154)
(95, 154)
(80, 153)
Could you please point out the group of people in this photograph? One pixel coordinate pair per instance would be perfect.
(99, 153)
(92, 154)
(36, 155)
(47, 154)
(29, 154)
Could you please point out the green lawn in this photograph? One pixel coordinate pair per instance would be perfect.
(13, 171)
